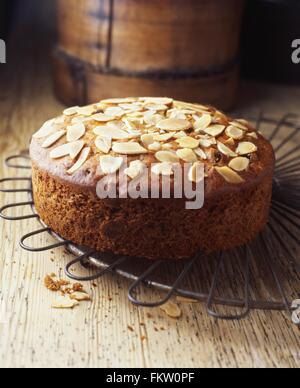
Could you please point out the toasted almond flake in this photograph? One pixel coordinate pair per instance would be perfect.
(240, 124)
(46, 130)
(234, 132)
(102, 118)
(195, 107)
(156, 146)
(111, 132)
(103, 144)
(114, 112)
(206, 143)
(187, 155)
(167, 156)
(80, 162)
(165, 169)
(135, 107)
(157, 100)
(75, 148)
(151, 118)
(246, 148)
(172, 310)
(215, 130)
(167, 146)
(71, 111)
(239, 164)
(59, 120)
(75, 132)
(225, 150)
(110, 164)
(129, 149)
(86, 110)
(60, 152)
(179, 135)
(164, 137)
(135, 169)
(203, 122)
(147, 140)
(230, 142)
(229, 175)
(188, 142)
(199, 152)
(254, 135)
(80, 296)
(196, 173)
(116, 101)
(52, 139)
(64, 303)
(156, 107)
(174, 125)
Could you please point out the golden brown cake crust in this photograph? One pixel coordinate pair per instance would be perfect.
(233, 213)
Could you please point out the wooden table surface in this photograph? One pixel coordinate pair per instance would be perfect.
(96, 334)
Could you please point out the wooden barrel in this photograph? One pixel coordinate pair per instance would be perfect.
(188, 49)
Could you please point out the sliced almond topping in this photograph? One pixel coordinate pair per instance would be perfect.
(102, 118)
(241, 124)
(103, 144)
(203, 122)
(246, 148)
(167, 146)
(229, 175)
(174, 125)
(196, 173)
(230, 142)
(129, 149)
(206, 143)
(164, 137)
(116, 101)
(172, 310)
(234, 132)
(188, 142)
(46, 130)
(157, 107)
(110, 164)
(147, 140)
(215, 130)
(156, 146)
(225, 150)
(199, 152)
(80, 162)
(53, 139)
(86, 110)
(187, 155)
(59, 120)
(135, 169)
(239, 164)
(75, 132)
(75, 148)
(157, 100)
(111, 132)
(253, 134)
(60, 152)
(167, 156)
(64, 303)
(80, 296)
(179, 135)
(71, 111)
(165, 169)
(114, 112)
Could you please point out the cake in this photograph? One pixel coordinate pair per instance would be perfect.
(148, 139)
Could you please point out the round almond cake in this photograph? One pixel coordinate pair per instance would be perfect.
(132, 141)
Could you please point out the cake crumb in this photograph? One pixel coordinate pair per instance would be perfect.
(130, 328)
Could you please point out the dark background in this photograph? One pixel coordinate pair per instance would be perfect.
(269, 28)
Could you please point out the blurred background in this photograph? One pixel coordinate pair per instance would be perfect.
(199, 50)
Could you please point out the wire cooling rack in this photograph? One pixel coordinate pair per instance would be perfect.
(262, 275)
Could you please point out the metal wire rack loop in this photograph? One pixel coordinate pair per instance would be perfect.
(21, 179)
(40, 249)
(17, 218)
(143, 279)
(9, 164)
(96, 276)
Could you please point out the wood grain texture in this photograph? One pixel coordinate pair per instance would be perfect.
(96, 334)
